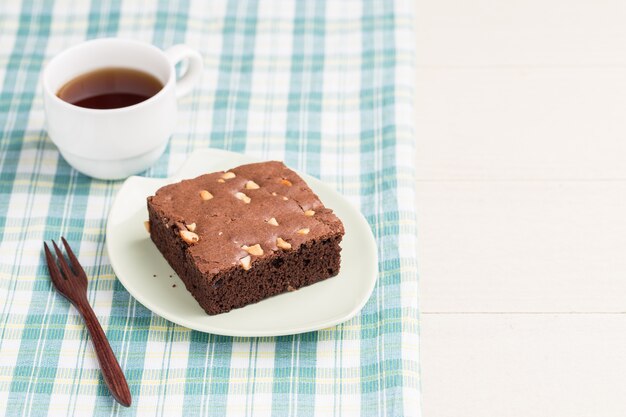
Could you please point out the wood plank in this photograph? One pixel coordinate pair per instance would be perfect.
(523, 365)
(520, 32)
(521, 124)
(522, 246)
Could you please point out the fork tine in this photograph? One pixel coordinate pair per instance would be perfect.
(78, 269)
(62, 262)
(55, 274)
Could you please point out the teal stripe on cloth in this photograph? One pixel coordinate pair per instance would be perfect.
(296, 390)
(14, 121)
(171, 19)
(104, 19)
(325, 86)
(305, 97)
(232, 96)
(380, 358)
(30, 371)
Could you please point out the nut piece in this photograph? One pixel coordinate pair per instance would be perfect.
(245, 262)
(243, 197)
(304, 231)
(309, 213)
(282, 244)
(205, 195)
(285, 198)
(146, 224)
(286, 182)
(220, 180)
(228, 175)
(251, 185)
(255, 250)
(189, 237)
(274, 194)
(191, 227)
(272, 221)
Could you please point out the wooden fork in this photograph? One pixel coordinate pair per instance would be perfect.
(72, 284)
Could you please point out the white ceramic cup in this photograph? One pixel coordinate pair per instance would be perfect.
(115, 143)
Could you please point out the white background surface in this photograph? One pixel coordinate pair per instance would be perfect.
(521, 164)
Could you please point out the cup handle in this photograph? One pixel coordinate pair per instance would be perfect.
(188, 80)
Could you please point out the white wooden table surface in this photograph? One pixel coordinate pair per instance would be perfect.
(521, 172)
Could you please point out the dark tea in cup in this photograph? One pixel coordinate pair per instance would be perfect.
(110, 88)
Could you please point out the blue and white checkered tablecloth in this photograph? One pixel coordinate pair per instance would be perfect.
(326, 86)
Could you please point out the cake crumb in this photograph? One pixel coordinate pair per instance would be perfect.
(173, 285)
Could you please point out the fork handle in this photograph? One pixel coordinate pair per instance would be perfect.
(111, 370)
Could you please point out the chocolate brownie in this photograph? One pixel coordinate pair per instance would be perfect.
(240, 236)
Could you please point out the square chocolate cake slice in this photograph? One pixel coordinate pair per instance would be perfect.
(240, 236)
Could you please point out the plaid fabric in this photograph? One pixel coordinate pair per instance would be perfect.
(326, 86)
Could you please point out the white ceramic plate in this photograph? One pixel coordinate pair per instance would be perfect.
(136, 260)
